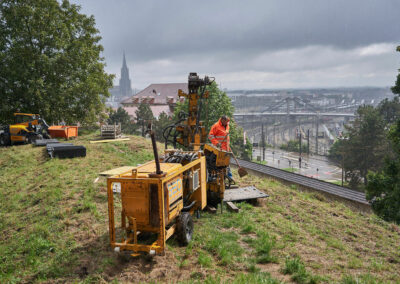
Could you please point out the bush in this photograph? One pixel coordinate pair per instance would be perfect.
(294, 146)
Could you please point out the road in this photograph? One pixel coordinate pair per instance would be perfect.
(312, 166)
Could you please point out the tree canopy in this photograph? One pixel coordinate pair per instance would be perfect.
(364, 145)
(122, 116)
(160, 124)
(50, 61)
(144, 115)
(396, 87)
(383, 189)
(217, 104)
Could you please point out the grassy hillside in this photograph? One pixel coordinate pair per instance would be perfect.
(55, 229)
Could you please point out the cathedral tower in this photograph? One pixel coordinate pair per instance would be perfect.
(125, 83)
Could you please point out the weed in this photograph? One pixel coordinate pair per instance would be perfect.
(263, 246)
(335, 243)
(248, 228)
(377, 265)
(183, 263)
(204, 259)
(242, 278)
(196, 275)
(354, 263)
(361, 279)
(294, 265)
(253, 278)
(296, 268)
(224, 245)
(253, 268)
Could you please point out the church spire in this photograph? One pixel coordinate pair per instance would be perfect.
(124, 61)
(125, 83)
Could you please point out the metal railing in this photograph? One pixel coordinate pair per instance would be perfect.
(311, 183)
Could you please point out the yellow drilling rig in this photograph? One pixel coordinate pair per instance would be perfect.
(160, 197)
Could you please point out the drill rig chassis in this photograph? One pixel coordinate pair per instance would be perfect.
(161, 196)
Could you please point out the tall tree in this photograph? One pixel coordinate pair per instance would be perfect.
(144, 115)
(160, 124)
(50, 61)
(383, 189)
(390, 110)
(396, 87)
(364, 145)
(121, 116)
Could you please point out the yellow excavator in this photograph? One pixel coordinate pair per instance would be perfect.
(27, 128)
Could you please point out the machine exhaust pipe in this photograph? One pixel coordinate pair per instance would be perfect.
(155, 152)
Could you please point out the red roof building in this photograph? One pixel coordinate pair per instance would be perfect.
(160, 97)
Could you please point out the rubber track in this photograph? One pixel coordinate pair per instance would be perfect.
(305, 181)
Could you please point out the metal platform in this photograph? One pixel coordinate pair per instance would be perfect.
(243, 193)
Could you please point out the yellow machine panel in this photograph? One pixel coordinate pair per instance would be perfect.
(222, 157)
(135, 201)
(152, 203)
(175, 190)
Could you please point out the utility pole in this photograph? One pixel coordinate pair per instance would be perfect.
(308, 141)
(300, 148)
(274, 136)
(263, 140)
(316, 137)
(342, 167)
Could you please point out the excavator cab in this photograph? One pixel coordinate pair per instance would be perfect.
(26, 118)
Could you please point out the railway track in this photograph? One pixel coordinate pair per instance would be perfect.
(304, 181)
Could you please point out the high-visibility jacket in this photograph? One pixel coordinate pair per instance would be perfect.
(217, 134)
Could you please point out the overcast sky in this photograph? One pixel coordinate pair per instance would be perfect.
(251, 44)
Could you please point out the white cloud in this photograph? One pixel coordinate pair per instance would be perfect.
(376, 49)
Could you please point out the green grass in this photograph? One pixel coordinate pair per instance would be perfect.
(361, 279)
(260, 162)
(291, 170)
(205, 259)
(296, 268)
(54, 224)
(49, 209)
(241, 278)
(263, 247)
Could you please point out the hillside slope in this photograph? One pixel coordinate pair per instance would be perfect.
(53, 219)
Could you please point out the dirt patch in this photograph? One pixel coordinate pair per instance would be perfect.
(275, 270)
(147, 269)
(137, 147)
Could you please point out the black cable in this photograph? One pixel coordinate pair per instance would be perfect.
(182, 117)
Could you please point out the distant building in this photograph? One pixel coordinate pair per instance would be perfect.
(123, 90)
(160, 97)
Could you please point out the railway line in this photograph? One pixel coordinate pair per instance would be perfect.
(304, 181)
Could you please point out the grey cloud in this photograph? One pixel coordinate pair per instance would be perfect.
(157, 29)
(272, 40)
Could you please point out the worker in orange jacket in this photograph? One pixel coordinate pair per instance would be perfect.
(219, 136)
(219, 133)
